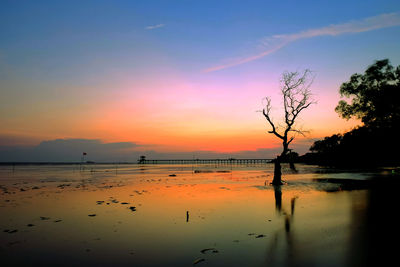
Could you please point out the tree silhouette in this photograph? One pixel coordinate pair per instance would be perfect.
(373, 98)
(374, 95)
(295, 90)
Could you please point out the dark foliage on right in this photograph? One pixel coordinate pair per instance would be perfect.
(374, 98)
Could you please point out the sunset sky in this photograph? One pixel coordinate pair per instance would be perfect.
(176, 78)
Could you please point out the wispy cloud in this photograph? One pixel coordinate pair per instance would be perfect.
(152, 27)
(273, 43)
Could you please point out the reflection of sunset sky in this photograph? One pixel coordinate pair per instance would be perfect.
(227, 211)
(180, 77)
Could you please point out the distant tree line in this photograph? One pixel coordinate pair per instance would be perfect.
(374, 98)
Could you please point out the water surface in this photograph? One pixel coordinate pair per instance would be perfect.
(184, 215)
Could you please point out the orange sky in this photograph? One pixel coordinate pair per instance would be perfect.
(178, 117)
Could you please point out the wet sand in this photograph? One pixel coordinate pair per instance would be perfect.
(184, 215)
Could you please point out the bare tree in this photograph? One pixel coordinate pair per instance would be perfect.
(297, 96)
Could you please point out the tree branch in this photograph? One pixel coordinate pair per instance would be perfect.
(266, 112)
(296, 98)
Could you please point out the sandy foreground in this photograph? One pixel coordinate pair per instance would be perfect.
(204, 215)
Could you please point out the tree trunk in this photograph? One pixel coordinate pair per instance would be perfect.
(278, 198)
(277, 167)
(285, 148)
(277, 172)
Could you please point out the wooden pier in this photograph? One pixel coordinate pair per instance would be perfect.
(204, 161)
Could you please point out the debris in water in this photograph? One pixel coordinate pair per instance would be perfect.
(92, 215)
(63, 185)
(203, 171)
(132, 208)
(44, 218)
(203, 251)
(198, 261)
(172, 175)
(259, 236)
(30, 225)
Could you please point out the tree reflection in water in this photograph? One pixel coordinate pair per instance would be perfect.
(371, 234)
(375, 228)
(286, 235)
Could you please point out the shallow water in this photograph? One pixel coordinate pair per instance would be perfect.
(183, 215)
